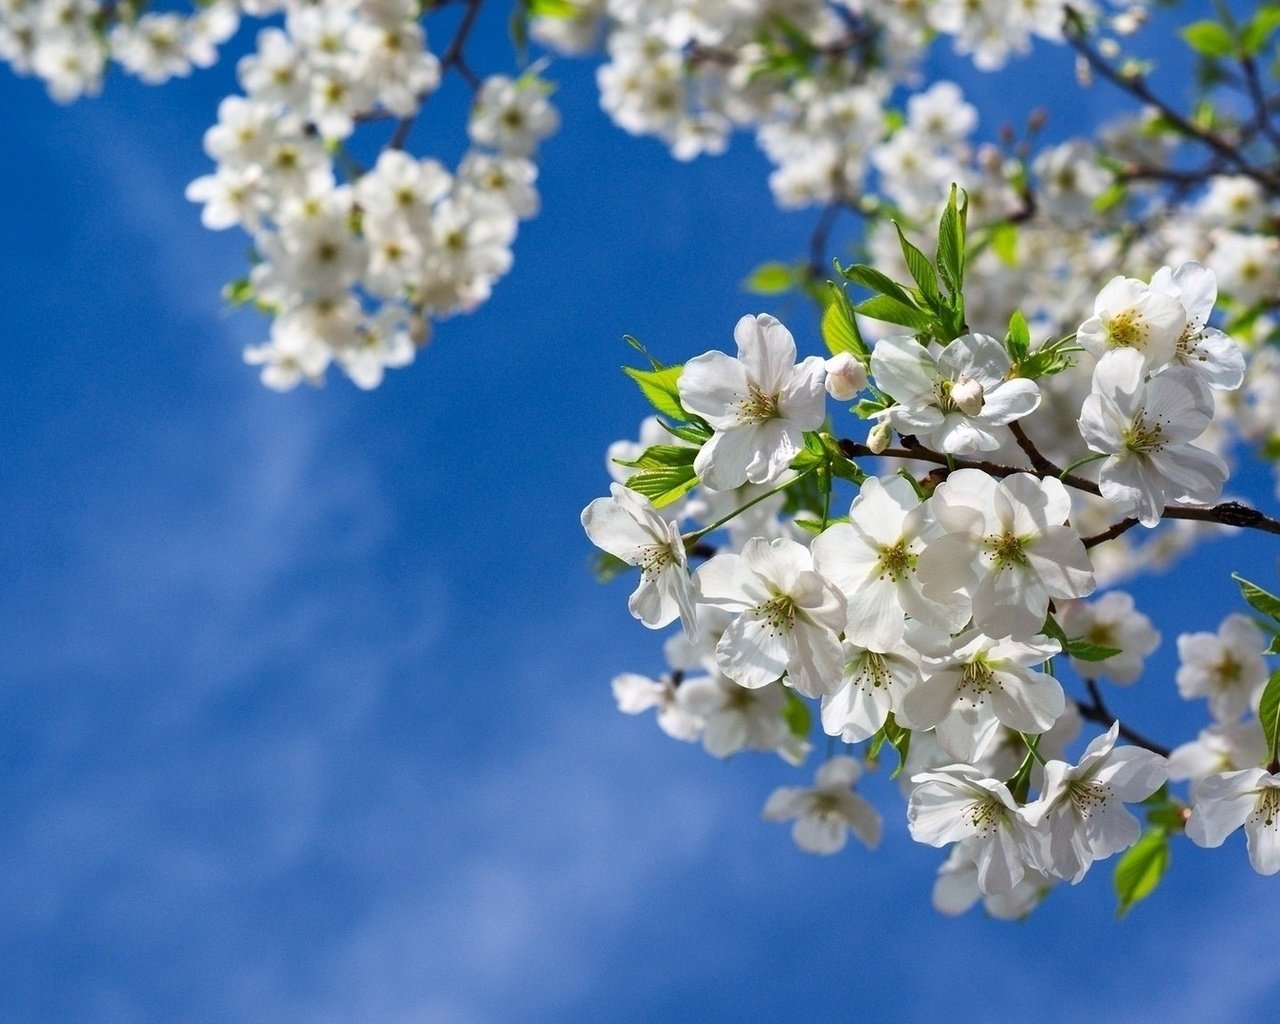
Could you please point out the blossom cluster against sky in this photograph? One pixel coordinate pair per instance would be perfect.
(304, 699)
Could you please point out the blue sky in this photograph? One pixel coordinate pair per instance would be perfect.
(305, 709)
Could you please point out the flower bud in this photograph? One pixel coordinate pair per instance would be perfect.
(967, 394)
(879, 437)
(846, 376)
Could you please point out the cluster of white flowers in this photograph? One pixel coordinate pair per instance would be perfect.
(353, 271)
(352, 264)
(931, 615)
(811, 78)
(63, 42)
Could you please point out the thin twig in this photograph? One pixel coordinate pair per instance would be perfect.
(1074, 30)
(1225, 513)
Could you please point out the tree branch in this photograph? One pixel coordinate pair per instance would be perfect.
(1225, 513)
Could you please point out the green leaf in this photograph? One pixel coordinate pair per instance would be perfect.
(771, 279)
(882, 307)
(1018, 340)
(1257, 598)
(1139, 871)
(840, 329)
(1113, 196)
(665, 485)
(659, 455)
(797, 716)
(879, 283)
(951, 242)
(900, 739)
(1004, 243)
(1082, 650)
(1052, 629)
(1269, 715)
(553, 9)
(606, 566)
(921, 269)
(660, 388)
(1274, 646)
(695, 432)
(868, 407)
(1208, 38)
(1256, 33)
(238, 292)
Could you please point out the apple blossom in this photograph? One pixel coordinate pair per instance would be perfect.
(759, 404)
(627, 526)
(1005, 548)
(929, 391)
(827, 813)
(1250, 797)
(788, 616)
(1145, 427)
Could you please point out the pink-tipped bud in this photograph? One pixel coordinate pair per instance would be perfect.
(846, 376)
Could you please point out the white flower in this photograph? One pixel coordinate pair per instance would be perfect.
(872, 560)
(1223, 803)
(736, 718)
(929, 391)
(957, 804)
(1082, 807)
(636, 693)
(1226, 666)
(956, 890)
(975, 682)
(1131, 314)
(788, 617)
(1110, 621)
(512, 116)
(826, 814)
(1005, 547)
(1221, 747)
(872, 686)
(627, 526)
(1204, 349)
(1144, 428)
(759, 405)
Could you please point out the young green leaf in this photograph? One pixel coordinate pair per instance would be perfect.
(1269, 715)
(797, 716)
(951, 242)
(1082, 650)
(1257, 598)
(1018, 340)
(879, 283)
(921, 269)
(660, 455)
(660, 388)
(771, 279)
(665, 485)
(1256, 32)
(1139, 871)
(840, 329)
(1208, 38)
(882, 307)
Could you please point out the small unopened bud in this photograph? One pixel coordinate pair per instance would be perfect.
(879, 437)
(846, 376)
(1084, 73)
(420, 331)
(967, 394)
